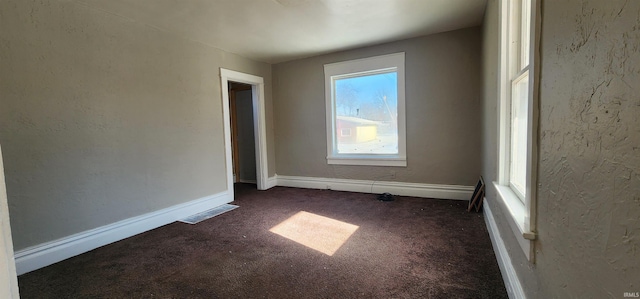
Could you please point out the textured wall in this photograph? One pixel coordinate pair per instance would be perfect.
(589, 166)
(442, 102)
(103, 118)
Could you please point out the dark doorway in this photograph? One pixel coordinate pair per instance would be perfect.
(242, 133)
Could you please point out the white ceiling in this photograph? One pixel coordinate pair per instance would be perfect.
(274, 31)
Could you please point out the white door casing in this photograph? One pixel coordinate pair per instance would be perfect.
(259, 124)
(8, 276)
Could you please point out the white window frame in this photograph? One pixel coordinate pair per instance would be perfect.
(519, 208)
(369, 65)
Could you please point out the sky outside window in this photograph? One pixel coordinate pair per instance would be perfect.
(367, 107)
(363, 96)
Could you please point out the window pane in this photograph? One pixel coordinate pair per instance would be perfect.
(366, 109)
(526, 32)
(519, 112)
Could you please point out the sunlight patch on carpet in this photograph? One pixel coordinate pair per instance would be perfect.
(193, 219)
(316, 232)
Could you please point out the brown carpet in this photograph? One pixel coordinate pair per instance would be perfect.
(407, 248)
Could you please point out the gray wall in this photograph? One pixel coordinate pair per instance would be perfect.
(443, 100)
(589, 164)
(103, 118)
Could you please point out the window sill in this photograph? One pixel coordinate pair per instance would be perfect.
(518, 217)
(368, 160)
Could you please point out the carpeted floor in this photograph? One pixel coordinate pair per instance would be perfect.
(408, 248)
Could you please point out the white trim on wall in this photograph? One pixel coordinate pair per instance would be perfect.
(8, 276)
(259, 123)
(272, 182)
(45, 254)
(368, 186)
(511, 281)
(42, 255)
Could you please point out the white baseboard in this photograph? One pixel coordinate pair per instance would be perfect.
(511, 281)
(272, 182)
(365, 186)
(45, 254)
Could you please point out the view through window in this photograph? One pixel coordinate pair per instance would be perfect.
(366, 109)
(365, 101)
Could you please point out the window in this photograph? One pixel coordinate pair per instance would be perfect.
(516, 179)
(518, 138)
(518, 65)
(365, 111)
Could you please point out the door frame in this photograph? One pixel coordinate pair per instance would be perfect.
(259, 124)
(9, 281)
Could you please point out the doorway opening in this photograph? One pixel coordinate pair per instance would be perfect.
(242, 81)
(243, 146)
